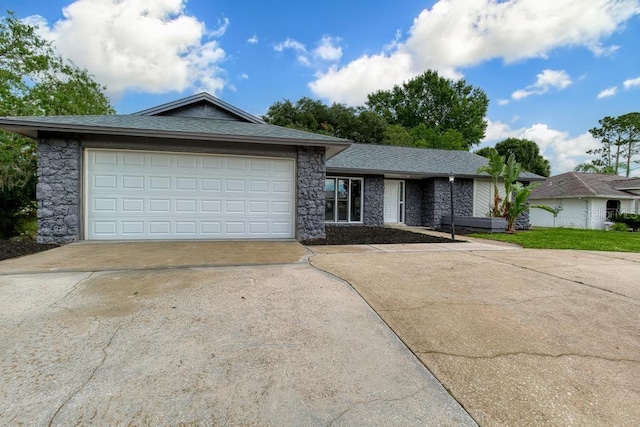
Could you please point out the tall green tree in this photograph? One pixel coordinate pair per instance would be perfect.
(526, 152)
(336, 120)
(620, 142)
(440, 104)
(423, 137)
(34, 81)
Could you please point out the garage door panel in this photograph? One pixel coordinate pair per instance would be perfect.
(141, 195)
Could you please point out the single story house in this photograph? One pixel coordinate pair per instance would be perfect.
(584, 200)
(199, 168)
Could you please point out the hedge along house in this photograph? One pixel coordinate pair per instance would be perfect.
(382, 184)
(197, 168)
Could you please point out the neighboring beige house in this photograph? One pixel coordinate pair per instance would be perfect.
(584, 200)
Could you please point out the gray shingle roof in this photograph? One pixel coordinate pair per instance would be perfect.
(574, 184)
(416, 162)
(627, 184)
(163, 126)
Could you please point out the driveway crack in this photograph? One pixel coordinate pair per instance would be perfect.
(72, 290)
(96, 368)
(555, 276)
(368, 402)
(526, 353)
(481, 303)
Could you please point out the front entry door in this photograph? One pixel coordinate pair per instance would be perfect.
(393, 201)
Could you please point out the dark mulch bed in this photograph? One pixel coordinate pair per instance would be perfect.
(363, 235)
(10, 249)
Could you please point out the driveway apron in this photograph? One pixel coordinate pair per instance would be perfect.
(231, 333)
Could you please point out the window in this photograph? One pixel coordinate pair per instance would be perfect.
(613, 207)
(343, 199)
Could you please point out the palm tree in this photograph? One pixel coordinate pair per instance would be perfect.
(494, 168)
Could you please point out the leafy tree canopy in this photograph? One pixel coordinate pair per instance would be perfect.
(440, 104)
(620, 144)
(423, 137)
(337, 120)
(34, 81)
(526, 153)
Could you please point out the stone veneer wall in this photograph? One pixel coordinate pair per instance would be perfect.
(58, 190)
(522, 222)
(374, 201)
(436, 199)
(310, 209)
(413, 203)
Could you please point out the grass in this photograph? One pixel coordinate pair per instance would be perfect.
(569, 238)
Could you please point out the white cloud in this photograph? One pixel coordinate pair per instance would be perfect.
(290, 44)
(503, 101)
(253, 39)
(563, 151)
(629, 83)
(608, 92)
(222, 28)
(545, 81)
(140, 45)
(373, 72)
(455, 34)
(328, 50)
(299, 48)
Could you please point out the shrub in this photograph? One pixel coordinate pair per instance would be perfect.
(619, 226)
(631, 220)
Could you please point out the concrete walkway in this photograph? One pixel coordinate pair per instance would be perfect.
(519, 337)
(201, 333)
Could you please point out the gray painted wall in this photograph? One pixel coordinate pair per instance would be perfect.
(202, 109)
(413, 202)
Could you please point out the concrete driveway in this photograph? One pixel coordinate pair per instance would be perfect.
(521, 337)
(201, 334)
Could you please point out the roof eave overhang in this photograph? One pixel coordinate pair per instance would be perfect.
(395, 173)
(34, 131)
(588, 196)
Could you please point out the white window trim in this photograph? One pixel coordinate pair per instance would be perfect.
(335, 192)
(402, 201)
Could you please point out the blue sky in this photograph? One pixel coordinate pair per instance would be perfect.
(551, 68)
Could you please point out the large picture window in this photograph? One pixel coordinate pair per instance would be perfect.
(343, 199)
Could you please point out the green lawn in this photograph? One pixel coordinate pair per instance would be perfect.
(568, 238)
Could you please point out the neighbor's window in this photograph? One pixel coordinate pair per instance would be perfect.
(343, 199)
(613, 207)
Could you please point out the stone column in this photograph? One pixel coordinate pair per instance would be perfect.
(373, 201)
(58, 190)
(310, 200)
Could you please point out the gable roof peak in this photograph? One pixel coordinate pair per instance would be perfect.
(198, 99)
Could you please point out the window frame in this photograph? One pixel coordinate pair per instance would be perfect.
(612, 211)
(335, 199)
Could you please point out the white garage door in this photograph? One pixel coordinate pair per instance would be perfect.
(157, 195)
